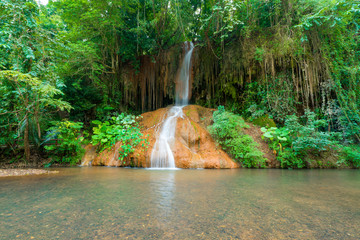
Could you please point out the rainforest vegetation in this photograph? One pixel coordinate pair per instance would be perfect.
(75, 72)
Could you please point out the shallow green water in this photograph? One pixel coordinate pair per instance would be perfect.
(115, 203)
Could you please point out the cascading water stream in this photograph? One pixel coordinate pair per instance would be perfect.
(182, 91)
(162, 155)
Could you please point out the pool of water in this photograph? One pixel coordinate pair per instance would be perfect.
(117, 203)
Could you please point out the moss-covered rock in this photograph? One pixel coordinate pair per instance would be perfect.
(264, 121)
(325, 159)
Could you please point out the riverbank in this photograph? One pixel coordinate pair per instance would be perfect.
(24, 172)
(36, 161)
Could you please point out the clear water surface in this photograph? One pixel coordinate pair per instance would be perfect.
(117, 203)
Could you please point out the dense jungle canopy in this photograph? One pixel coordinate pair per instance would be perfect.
(86, 59)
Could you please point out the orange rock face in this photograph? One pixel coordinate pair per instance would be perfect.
(193, 147)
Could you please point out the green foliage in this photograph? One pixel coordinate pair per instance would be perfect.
(259, 54)
(262, 58)
(68, 138)
(307, 138)
(346, 122)
(228, 132)
(103, 37)
(255, 112)
(29, 85)
(21, 34)
(25, 100)
(290, 159)
(258, 116)
(29, 46)
(350, 155)
(294, 141)
(122, 128)
(301, 54)
(280, 97)
(219, 23)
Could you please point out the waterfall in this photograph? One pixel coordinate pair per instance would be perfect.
(162, 155)
(182, 93)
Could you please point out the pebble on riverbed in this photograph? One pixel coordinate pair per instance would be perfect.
(23, 172)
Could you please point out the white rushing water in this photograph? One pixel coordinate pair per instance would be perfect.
(162, 155)
(182, 91)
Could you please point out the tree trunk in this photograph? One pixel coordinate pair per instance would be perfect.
(37, 110)
(26, 139)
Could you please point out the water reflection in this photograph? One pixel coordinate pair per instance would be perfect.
(162, 189)
(113, 203)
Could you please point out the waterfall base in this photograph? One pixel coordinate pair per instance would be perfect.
(193, 146)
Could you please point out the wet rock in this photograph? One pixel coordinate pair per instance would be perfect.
(193, 146)
(89, 156)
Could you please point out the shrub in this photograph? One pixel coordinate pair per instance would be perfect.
(255, 112)
(295, 140)
(123, 128)
(350, 155)
(290, 159)
(308, 138)
(227, 130)
(280, 97)
(280, 142)
(69, 140)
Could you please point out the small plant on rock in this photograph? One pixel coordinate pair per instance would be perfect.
(123, 128)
